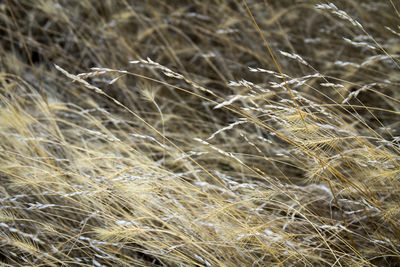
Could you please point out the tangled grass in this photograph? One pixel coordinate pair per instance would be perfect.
(158, 133)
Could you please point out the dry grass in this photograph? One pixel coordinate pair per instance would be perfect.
(163, 133)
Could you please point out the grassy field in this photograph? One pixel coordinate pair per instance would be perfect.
(199, 133)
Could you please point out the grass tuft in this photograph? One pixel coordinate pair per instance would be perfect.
(166, 134)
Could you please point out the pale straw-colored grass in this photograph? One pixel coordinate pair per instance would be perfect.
(163, 134)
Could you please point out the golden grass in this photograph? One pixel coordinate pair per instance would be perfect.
(162, 133)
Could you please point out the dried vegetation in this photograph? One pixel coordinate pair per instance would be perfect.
(163, 133)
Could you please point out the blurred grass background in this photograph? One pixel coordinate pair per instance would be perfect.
(162, 133)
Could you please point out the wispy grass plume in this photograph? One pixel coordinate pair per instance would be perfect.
(162, 133)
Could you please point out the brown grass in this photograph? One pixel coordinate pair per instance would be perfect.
(163, 133)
